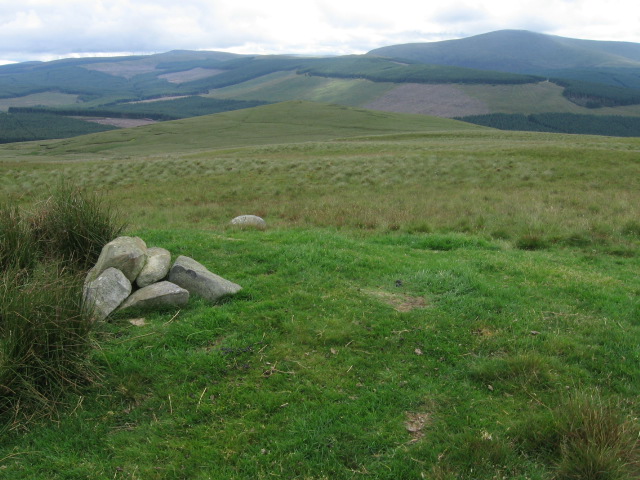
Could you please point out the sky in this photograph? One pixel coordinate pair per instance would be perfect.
(53, 29)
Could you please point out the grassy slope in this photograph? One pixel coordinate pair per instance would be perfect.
(322, 367)
(525, 99)
(283, 86)
(537, 98)
(282, 123)
(49, 99)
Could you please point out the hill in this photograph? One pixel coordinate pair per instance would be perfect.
(287, 122)
(518, 51)
(511, 72)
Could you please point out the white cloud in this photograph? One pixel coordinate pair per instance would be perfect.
(39, 28)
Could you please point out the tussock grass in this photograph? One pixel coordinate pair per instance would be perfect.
(43, 342)
(73, 225)
(44, 332)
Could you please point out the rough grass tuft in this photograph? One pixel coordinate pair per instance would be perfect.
(44, 339)
(599, 441)
(43, 329)
(73, 225)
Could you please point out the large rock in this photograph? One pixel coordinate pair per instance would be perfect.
(127, 254)
(155, 268)
(251, 221)
(104, 294)
(157, 295)
(195, 278)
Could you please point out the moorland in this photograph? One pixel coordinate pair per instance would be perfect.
(431, 299)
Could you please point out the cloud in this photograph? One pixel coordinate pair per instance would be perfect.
(46, 28)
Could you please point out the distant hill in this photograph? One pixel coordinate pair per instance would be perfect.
(286, 122)
(507, 72)
(518, 51)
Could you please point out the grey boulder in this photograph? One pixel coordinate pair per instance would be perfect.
(104, 294)
(157, 295)
(127, 254)
(194, 277)
(252, 221)
(155, 268)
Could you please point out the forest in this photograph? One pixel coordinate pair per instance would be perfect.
(22, 127)
(609, 125)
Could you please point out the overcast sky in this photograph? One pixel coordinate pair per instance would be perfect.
(50, 29)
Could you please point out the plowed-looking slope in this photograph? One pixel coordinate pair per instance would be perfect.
(438, 100)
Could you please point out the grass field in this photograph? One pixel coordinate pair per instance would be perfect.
(284, 86)
(431, 300)
(49, 99)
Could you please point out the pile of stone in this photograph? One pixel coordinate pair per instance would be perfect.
(130, 275)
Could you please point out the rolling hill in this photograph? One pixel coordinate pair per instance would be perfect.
(518, 51)
(506, 72)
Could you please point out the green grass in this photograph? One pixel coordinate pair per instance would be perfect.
(311, 372)
(437, 302)
(49, 99)
(532, 190)
(541, 97)
(283, 86)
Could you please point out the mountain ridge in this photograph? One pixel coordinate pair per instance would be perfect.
(517, 51)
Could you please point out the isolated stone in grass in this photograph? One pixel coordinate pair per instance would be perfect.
(104, 294)
(155, 268)
(194, 277)
(127, 254)
(157, 295)
(249, 221)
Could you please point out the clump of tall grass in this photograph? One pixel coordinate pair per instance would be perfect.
(18, 244)
(599, 441)
(44, 333)
(586, 437)
(43, 339)
(73, 225)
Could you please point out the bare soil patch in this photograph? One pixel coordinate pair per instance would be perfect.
(399, 301)
(190, 75)
(119, 122)
(126, 69)
(438, 100)
(415, 423)
(160, 99)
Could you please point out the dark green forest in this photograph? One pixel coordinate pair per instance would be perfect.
(162, 110)
(22, 127)
(386, 70)
(610, 125)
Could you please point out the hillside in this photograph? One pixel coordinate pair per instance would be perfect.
(286, 122)
(511, 72)
(518, 51)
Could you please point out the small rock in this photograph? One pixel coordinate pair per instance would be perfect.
(194, 277)
(157, 295)
(104, 294)
(127, 254)
(155, 268)
(252, 221)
